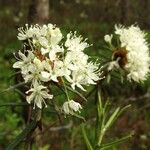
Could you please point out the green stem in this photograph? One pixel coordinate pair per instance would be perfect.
(76, 92)
(116, 142)
(102, 133)
(66, 91)
(88, 144)
(100, 119)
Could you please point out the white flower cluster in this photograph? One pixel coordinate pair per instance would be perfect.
(51, 57)
(133, 40)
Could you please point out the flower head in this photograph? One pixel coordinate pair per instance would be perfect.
(51, 59)
(70, 107)
(133, 52)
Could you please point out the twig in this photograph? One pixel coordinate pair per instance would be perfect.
(15, 104)
(13, 87)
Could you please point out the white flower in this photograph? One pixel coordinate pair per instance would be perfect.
(28, 32)
(74, 43)
(38, 94)
(82, 71)
(92, 73)
(108, 38)
(24, 62)
(55, 34)
(52, 71)
(76, 60)
(71, 106)
(43, 41)
(34, 73)
(51, 37)
(43, 30)
(77, 79)
(138, 59)
(53, 51)
(46, 36)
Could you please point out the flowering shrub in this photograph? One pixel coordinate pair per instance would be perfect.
(50, 58)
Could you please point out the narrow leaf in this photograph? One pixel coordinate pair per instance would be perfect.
(120, 112)
(88, 144)
(114, 143)
(111, 119)
(124, 109)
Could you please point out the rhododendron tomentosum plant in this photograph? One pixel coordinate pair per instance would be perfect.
(48, 57)
(51, 61)
(130, 52)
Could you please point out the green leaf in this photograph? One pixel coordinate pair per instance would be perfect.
(114, 143)
(88, 144)
(116, 114)
(112, 118)
(21, 137)
(123, 109)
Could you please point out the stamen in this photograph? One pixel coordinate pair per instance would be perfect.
(17, 58)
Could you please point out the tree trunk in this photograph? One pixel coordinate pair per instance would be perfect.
(38, 11)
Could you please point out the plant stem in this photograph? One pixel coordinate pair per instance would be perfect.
(100, 118)
(66, 91)
(102, 133)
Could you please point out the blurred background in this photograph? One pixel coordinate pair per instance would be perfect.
(92, 19)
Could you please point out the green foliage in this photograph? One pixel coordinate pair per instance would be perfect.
(103, 123)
